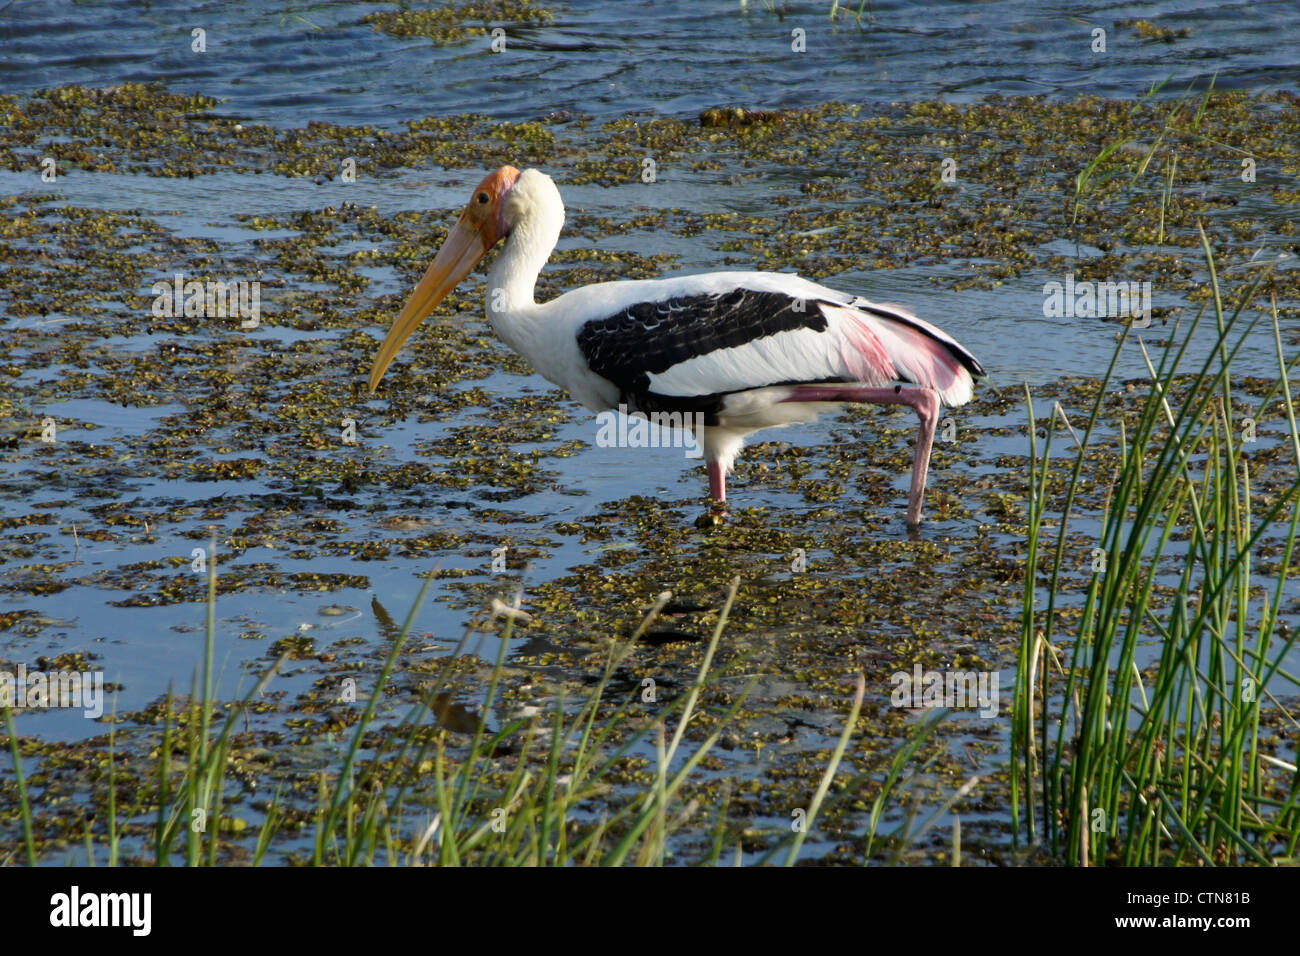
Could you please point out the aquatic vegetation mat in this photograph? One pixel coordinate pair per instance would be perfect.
(155, 464)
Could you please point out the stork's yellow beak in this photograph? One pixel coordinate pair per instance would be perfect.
(459, 254)
(480, 227)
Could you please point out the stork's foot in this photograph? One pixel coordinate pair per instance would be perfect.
(713, 518)
(717, 513)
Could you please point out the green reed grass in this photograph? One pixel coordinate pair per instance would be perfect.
(537, 813)
(1102, 168)
(1112, 766)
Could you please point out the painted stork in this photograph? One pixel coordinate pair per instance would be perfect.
(746, 350)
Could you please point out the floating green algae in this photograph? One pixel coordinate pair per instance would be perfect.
(459, 21)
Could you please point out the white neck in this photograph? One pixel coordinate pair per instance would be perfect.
(513, 276)
(538, 217)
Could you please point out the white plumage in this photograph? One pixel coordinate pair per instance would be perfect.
(748, 350)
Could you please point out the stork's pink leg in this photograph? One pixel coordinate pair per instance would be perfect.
(717, 481)
(924, 400)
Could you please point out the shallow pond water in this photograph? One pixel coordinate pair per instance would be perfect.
(174, 432)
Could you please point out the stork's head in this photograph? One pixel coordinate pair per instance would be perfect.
(503, 200)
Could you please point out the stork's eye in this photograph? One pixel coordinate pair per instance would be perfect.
(482, 197)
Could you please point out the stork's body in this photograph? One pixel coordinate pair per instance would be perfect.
(742, 350)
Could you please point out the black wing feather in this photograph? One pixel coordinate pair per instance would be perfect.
(649, 338)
